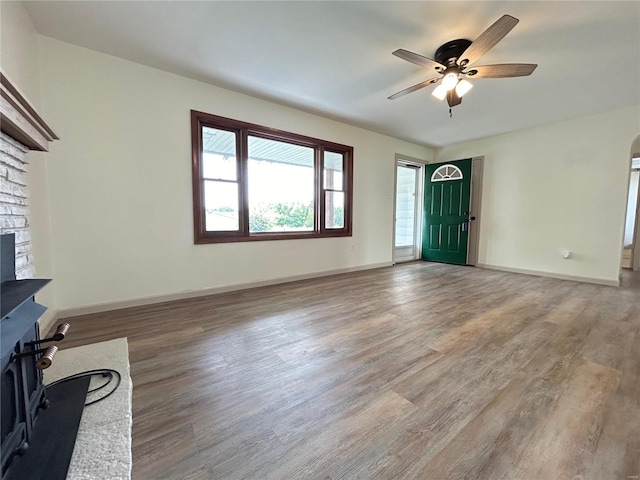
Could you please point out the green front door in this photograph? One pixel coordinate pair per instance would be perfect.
(447, 195)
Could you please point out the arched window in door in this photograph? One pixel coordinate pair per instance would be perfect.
(445, 173)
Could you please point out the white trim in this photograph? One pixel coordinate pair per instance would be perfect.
(140, 301)
(560, 276)
(635, 249)
(475, 208)
(420, 165)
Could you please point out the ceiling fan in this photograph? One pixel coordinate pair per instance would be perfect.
(454, 63)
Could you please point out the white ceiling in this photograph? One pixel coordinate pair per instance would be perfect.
(334, 58)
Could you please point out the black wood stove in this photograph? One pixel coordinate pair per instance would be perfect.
(38, 425)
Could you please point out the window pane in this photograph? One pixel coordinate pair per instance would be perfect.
(334, 210)
(221, 206)
(281, 186)
(333, 170)
(219, 154)
(405, 205)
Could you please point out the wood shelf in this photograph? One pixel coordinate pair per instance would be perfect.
(20, 121)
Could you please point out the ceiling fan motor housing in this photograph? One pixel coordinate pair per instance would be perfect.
(448, 53)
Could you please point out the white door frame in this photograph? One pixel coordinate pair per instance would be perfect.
(635, 251)
(635, 236)
(635, 246)
(475, 205)
(420, 165)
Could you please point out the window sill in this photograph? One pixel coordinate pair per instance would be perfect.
(261, 237)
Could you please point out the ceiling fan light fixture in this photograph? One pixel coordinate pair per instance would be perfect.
(453, 58)
(439, 92)
(463, 87)
(450, 80)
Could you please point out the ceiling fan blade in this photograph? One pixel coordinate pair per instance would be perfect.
(502, 70)
(487, 40)
(453, 98)
(418, 59)
(412, 89)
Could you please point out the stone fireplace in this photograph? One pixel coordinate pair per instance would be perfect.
(39, 424)
(22, 130)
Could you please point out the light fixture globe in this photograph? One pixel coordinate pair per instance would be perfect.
(439, 92)
(450, 80)
(463, 87)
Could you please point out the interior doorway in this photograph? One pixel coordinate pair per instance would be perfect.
(408, 210)
(631, 246)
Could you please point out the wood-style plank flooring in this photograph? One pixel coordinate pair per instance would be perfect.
(419, 371)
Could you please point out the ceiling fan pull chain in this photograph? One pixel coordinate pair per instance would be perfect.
(450, 114)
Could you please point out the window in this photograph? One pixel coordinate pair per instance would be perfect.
(257, 183)
(445, 173)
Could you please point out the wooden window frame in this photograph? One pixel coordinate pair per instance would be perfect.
(242, 131)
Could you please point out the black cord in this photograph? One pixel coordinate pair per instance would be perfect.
(104, 372)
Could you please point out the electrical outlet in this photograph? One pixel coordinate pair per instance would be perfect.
(353, 247)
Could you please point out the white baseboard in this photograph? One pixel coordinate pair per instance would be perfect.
(560, 276)
(136, 302)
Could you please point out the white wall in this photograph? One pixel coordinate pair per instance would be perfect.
(121, 184)
(19, 60)
(552, 188)
(19, 50)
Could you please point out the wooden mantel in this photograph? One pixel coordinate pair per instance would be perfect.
(20, 121)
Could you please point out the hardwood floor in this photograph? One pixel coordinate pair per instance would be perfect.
(419, 371)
